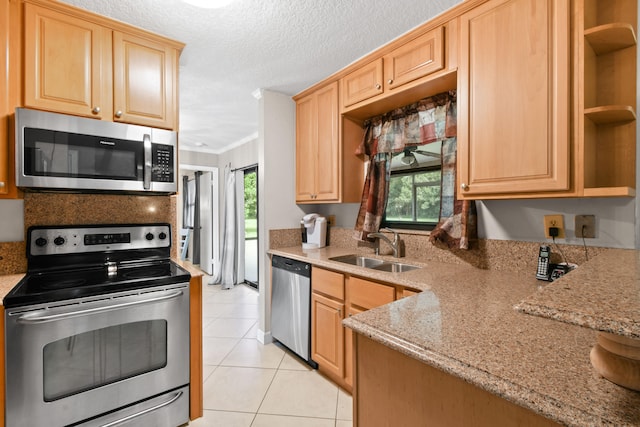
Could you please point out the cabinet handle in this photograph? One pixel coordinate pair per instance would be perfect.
(390, 81)
(118, 113)
(464, 186)
(95, 110)
(378, 86)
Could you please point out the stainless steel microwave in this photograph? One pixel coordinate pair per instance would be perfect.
(62, 152)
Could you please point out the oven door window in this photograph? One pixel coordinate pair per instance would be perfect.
(70, 155)
(96, 358)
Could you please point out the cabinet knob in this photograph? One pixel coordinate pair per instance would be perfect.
(390, 81)
(119, 113)
(95, 110)
(464, 186)
(2, 184)
(378, 86)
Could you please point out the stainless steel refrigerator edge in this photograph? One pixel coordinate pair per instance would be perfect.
(291, 305)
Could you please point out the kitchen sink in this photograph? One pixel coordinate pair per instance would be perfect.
(375, 263)
(358, 260)
(395, 267)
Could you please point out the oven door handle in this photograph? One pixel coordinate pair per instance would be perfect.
(144, 411)
(33, 318)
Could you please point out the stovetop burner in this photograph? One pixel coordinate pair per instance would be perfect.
(80, 269)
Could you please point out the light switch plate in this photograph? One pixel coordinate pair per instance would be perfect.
(585, 226)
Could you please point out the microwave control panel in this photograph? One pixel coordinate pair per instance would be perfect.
(162, 163)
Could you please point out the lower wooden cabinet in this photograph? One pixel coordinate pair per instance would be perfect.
(393, 389)
(327, 334)
(335, 296)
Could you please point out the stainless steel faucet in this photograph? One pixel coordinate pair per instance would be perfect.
(395, 245)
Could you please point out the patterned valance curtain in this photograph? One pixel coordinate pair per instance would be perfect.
(426, 121)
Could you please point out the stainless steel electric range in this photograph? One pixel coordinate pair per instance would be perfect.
(97, 332)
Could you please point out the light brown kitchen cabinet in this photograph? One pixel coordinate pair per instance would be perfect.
(393, 389)
(605, 88)
(78, 63)
(327, 168)
(388, 75)
(418, 58)
(318, 147)
(334, 296)
(7, 103)
(144, 79)
(327, 342)
(363, 83)
(67, 63)
(415, 59)
(513, 100)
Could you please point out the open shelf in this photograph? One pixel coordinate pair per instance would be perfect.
(610, 37)
(609, 114)
(609, 192)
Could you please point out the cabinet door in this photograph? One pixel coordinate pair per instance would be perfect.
(66, 62)
(305, 148)
(513, 98)
(416, 59)
(143, 73)
(364, 83)
(328, 160)
(5, 108)
(327, 334)
(367, 295)
(349, 362)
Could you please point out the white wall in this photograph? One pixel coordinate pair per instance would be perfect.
(276, 182)
(11, 220)
(522, 219)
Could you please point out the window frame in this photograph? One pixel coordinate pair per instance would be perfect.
(412, 225)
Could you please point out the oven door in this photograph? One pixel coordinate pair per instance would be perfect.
(84, 358)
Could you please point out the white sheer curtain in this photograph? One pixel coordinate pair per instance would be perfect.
(232, 249)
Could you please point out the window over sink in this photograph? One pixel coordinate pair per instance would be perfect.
(414, 189)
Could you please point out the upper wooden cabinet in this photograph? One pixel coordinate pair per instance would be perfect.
(513, 100)
(317, 146)
(385, 78)
(420, 57)
(8, 99)
(327, 169)
(81, 66)
(144, 76)
(605, 90)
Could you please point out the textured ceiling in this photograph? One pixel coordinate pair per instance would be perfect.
(279, 45)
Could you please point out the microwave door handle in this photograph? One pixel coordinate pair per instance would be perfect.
(147, 162)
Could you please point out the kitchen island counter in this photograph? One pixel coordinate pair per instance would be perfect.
(464, 324)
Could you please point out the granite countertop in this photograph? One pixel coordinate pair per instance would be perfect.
(602, 294)
(7, 282)
(464, 323)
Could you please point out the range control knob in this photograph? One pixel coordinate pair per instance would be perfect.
(149, 236)
(162, 235)
(58, 241)
(41, 241)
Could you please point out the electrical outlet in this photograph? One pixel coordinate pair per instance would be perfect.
(331, 220)
(586, 226)
(554, 221)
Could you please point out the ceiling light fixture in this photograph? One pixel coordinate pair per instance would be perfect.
(408, 158)
(209, 4)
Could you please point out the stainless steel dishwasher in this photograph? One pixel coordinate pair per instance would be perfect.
(291, 306)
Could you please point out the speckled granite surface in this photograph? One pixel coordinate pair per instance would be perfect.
(464, 324)
(602, 294)
(7, 282)
(504, 255)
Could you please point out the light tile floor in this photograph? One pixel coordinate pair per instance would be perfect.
(247, 384)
